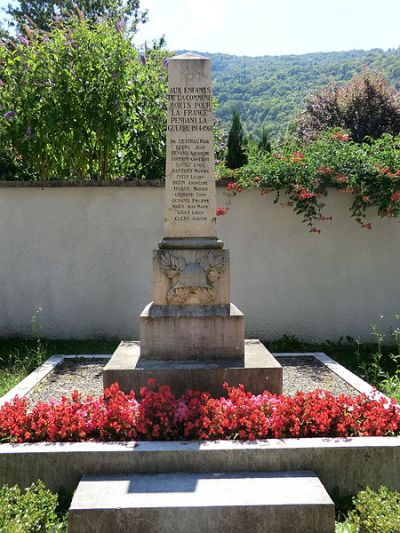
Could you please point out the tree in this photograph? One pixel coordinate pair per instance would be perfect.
(81, 103)
(236, 155)
(264, 143)
(43, 13)
(367, 107)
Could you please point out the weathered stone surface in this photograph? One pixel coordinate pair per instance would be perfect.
(191, 277)
(344, 465)
(190, 204)
(203, 503)
(210, 337)
(257, 371)
(191, 317)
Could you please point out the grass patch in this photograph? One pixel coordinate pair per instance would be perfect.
(19, 357)
(376, 363)
(10, 378)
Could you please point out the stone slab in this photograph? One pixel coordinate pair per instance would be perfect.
(191, 277)
(344, 465)
(258, 371)
(265, 502)
(190, 194)
(210, 337)
(183, 243)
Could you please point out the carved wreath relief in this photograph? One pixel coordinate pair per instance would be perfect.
(192, 283)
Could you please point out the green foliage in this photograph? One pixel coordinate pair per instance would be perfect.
(32, 510)
(370, 172)
(81, 103)
(367, 106)
(43, 13)
(374, 512)
(382, 368)
(18, 363)
(269, 91)
(264, 144)
(19, 357)
(236, 155)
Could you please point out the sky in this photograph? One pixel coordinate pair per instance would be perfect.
(271, 27)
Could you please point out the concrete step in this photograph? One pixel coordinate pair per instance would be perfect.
(256, 502)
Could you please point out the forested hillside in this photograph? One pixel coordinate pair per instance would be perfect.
(268, 91)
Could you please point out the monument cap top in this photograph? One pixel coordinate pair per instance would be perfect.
(191, 56)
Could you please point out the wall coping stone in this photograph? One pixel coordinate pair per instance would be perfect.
(75, 184)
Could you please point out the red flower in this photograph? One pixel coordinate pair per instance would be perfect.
(328, 171)
(297, 157)
(160, 415)
(383, 170)
(315, 230)
(222, 211)
(340, 178)
(348, 190)
(303, 194)
(366, 199)
(338, 136)
(395, 197)
(233, 187)
(367, 225)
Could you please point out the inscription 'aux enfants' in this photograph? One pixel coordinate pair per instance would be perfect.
(190, 107)
(190, 180)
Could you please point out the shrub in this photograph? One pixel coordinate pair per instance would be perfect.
(374, 512)
(367, 106)
(370, 172)
(81, 103)
(31, 510)
(159, 415)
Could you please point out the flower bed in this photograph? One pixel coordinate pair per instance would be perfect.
(159, 415)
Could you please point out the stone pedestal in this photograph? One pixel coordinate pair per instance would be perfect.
(210, 334)
(257, 370)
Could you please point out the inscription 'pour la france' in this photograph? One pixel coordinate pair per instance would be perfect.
(190, 180)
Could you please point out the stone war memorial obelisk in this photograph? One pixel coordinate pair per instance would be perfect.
(191, 335)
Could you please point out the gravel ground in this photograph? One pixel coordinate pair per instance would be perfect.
(299, 373)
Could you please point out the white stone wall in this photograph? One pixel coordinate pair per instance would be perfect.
(84, 256)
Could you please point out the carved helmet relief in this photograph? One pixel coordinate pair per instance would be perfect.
(192, 283)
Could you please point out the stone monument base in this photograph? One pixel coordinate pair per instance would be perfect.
(257, 371)
(192, 332)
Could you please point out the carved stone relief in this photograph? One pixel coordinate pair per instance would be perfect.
(191, 283)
